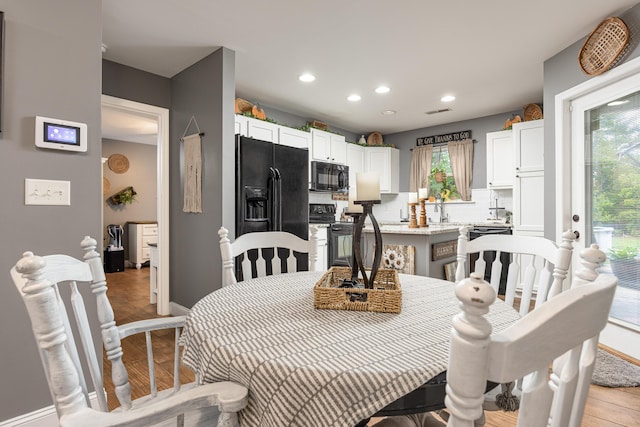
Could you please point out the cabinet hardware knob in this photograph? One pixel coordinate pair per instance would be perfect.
(575, 218)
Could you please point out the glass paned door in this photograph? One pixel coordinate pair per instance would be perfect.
(606, 190)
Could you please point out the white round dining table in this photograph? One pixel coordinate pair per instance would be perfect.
(310, 367)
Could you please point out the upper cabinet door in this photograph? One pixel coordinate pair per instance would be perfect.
(321, 145)
(385, 161)
(528, 138)
(500, 169)
(338, 149)
(265, 131)
(294, 137)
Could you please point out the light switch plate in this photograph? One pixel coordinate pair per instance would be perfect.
(47, 192)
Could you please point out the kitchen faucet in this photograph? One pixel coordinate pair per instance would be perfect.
(440, 201)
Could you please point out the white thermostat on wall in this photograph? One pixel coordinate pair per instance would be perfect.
(61, 134)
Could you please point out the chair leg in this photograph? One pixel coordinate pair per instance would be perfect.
(228, 419)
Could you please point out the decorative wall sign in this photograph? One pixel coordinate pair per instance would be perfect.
(444, 250)
(444, 138)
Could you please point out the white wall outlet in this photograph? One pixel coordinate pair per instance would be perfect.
(47, 192)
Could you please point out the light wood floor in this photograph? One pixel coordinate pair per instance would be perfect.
(129, 295)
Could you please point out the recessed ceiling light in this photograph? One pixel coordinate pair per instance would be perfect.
(306, 77)
(354, 97)
(382, 89)
(448, 98)
(389, 112)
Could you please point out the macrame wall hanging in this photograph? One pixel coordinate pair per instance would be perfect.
(192, 169)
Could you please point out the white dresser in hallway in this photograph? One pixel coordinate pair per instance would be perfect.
(141, 234)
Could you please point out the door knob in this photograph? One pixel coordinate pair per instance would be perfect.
(575, 218)
(577, 234)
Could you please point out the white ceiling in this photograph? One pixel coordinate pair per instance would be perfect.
(489, 54)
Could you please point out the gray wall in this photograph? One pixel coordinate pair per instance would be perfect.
(141, 175)
(136, 85)
(562, 72)
(205, 91)
(479, 127)
(39, 79)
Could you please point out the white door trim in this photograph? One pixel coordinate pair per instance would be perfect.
(616, 334)
(162, 116)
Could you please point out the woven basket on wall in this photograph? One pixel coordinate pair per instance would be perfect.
(604, 46)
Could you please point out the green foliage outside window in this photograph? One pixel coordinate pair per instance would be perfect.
(615, 173)
(440, 162)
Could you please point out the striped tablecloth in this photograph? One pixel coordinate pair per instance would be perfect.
(306, 367)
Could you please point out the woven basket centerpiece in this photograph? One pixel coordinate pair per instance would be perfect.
(604, 46)
(385, 297)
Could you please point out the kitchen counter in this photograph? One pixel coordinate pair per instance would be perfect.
(433, 229)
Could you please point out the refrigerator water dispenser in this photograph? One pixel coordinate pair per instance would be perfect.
(255, 204)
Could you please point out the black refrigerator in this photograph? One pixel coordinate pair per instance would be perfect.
(272, 188)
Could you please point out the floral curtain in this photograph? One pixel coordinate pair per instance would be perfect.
(461, 157)
(420, 167)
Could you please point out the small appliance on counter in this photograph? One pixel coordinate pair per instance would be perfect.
(114, 252)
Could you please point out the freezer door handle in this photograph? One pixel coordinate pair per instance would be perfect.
(272, 199)
(278, 201)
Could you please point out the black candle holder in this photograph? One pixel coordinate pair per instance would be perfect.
(354, 263)
(367, 210)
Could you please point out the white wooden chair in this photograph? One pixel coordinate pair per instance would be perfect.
(538, 266)
(560, 333)
(257, 253)
(37, 279)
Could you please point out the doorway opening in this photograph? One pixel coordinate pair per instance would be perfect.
(149, 113)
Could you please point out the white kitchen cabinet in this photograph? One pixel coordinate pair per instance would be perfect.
(528, 139)
(528, 190)
(141, 234)
(323, 246)
(294, 137)
(500, 160)
(262, 130)
(328, 147)
(355, 161)
(241, 123)
(385, 161)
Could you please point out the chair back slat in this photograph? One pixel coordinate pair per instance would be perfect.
(276, 265)
(246, 266)
(82, 323)
(274, 249)
(496, 272)
(512, 281)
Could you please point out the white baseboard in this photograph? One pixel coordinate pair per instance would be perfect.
(43, 417)
(175, 310)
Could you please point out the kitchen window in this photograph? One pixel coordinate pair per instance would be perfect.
(439, 184)
(454, 160)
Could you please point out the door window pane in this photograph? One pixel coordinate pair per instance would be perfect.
(612, 178)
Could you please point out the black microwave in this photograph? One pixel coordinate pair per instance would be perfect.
(329, 177)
